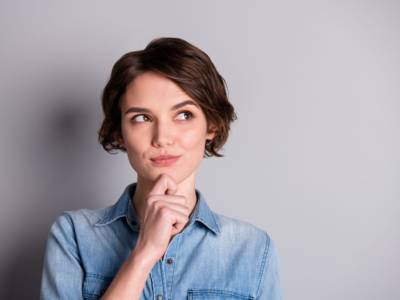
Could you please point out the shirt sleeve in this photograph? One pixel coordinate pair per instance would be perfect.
(270, 283)
(62, 273)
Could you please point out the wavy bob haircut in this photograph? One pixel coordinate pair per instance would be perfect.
(186, 65)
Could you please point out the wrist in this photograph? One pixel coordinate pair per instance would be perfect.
(141, 259)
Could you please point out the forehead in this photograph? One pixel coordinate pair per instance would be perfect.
(152, 88)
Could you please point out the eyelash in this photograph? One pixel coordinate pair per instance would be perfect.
(183, 111)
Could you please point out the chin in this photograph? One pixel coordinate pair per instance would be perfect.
(151, 173)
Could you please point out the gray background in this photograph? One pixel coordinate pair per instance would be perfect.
(313, 157)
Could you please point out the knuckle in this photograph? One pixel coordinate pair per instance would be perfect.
(157, 204)
(164, 211)
(164, 176)
(151, 199)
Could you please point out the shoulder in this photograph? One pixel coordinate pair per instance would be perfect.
(245, 238)
(242, 230)
(71, 219)
(73, 229)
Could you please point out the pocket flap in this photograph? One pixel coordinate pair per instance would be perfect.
(216, 294)
(95, 285)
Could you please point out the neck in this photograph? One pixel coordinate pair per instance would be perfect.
(186, 188)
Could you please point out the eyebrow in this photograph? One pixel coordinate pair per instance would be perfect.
(175, 107)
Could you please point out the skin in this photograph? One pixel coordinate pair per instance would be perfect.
(173, 132)
(165, 196)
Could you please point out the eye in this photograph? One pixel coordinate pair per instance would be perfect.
(188, 113)
(134, 118)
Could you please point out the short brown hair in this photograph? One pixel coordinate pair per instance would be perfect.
(186, 65)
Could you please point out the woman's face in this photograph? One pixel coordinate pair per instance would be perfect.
(153, 124)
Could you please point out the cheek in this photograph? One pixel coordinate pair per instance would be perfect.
(134, 155)
(192, 141)
(135, 138)
(135, 145)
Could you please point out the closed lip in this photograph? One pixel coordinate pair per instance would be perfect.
(163, 157)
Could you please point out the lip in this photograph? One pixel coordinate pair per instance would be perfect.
(164, 160)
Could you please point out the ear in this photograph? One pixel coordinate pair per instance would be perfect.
(120, 141)
(211, 133)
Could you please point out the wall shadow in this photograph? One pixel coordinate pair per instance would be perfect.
(60, 161)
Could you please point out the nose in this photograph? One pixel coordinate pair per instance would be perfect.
(163, 134)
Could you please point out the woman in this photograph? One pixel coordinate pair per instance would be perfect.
(166, 106)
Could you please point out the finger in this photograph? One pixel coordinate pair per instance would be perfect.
(158, 199)
(170, 198)
(165, 184)
(171, 216)
(181, 208)
(179, 221)
(178, 226)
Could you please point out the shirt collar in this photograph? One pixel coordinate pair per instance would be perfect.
(123, 208)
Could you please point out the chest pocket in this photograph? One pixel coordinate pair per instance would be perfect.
(94, 286)
(216, 294)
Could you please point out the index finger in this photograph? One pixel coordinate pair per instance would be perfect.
(165, 184)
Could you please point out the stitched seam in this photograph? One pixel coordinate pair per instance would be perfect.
(215, 231)
(200, 292)
(263, 262)
(151, 283)
(102, 221)
(77, 250)
(217, 226)
(105, 279)
(98, 276)
(180, 238)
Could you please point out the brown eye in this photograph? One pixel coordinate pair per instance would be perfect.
(136, 120)
(188, 114)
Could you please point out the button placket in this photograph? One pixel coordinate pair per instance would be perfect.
(169, 264)
(158, 280)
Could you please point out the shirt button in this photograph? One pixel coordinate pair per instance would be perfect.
(170, 261)
(159, 297)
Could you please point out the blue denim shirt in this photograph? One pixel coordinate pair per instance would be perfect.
(213, 257)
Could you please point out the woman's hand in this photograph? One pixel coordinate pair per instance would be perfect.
(165, 214)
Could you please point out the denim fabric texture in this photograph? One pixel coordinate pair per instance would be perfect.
(213, 257)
